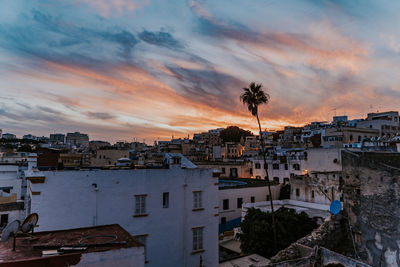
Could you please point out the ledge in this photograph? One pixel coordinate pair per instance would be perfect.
(198, 209)
(198, 251)
(140, 215)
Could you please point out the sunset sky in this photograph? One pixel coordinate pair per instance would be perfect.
(124, 69)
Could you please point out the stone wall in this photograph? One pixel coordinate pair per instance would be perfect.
(372, 202)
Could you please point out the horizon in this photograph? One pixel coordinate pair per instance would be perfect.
(119, 70)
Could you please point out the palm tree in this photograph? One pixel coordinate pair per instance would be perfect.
(253, 97)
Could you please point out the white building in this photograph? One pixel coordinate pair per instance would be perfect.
(77, 139)
(173, 211)
(313, 210)
(233, 193)
(13, 185)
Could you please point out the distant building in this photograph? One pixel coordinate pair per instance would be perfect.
(338, 136)
(29, 137)
(106, 245)
(77, 139)
(9, 136)
(103, 157)
(387, 123)
(172, 211)
(1, 133)
(57, 138)
(340, 119)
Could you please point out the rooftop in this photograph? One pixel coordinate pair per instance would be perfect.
(65, 244)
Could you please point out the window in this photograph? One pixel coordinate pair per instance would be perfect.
(275, 166)
(252, 199)
(258, 166)
(233, 172)
(197, 202)
(276, 180)
(140, 204)
(223, 170)
(285, 180)
(296, 167)
(223, 220)
(226, 204)
(142, 239)
(197, 238)
(312, 193)
(297, 192)
(4, 220)
(266, 166)
(258, 177)
(165, 200)
(251, 171)
(286, 166)
(239, 202)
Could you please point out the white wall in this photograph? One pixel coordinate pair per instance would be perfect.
(260, 194)
(67, 200)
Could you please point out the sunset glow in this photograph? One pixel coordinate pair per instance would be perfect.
(126, 70)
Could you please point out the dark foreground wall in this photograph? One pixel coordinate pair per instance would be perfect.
(372, 202)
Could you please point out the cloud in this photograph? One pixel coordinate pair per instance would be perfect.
(161, 38)
(115, 7)
(100, 115)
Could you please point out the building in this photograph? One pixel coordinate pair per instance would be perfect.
(9, 136)
(371, 197)
(229, 169)
(48, 158)
(1, 133)
(317, 187)
(172, 210)
(57, 138)
(100, 246)
(387, 123)
(103, 157)
(338, 136)
(13, 185)
(281, 166)
(233, 193)
(77, 139)
(70, 160)
(313, 210)
(29, 137)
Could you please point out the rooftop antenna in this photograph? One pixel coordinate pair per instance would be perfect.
(29, 223)
(10, 231)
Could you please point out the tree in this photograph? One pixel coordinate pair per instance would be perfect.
(257, 237)
(254, 96)
(233, 134)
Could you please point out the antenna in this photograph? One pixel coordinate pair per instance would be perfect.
(29, 223)
(10, 231)
(335, 207)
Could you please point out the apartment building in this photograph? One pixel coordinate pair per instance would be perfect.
(172, 210)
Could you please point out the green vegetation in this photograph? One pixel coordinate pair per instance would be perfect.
(233, 134)
(257, 235)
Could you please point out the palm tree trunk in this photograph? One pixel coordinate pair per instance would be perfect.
(269, 185)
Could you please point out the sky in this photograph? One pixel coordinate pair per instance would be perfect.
(153, 69)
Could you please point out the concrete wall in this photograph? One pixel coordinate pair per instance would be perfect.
(372, 202)
(324, 160)
(118, 257)
(67, 199)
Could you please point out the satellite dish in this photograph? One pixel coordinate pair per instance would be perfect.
(29, 223)
(335, 207)
(10, 231)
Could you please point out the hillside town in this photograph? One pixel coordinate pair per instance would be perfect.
(186, 201)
